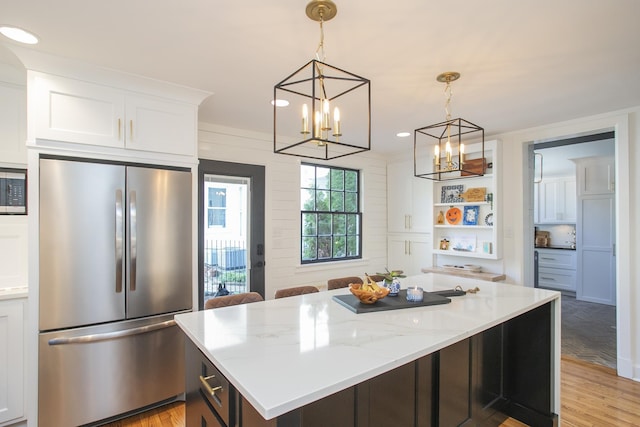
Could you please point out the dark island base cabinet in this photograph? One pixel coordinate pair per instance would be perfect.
(502, 372)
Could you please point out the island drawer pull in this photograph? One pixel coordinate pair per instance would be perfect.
(210, 390)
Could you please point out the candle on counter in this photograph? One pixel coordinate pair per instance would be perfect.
(415, 294)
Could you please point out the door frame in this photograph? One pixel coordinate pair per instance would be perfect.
(256, 174)
(619, 123)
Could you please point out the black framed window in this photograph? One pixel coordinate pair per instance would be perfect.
(331, 221)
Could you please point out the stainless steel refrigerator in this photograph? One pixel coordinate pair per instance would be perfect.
(115, 267)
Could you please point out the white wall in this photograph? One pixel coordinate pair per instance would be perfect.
(518, 246)
(282, 182)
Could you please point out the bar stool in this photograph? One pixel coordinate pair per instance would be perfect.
(227, 300)
(297, 290)
(342, 282)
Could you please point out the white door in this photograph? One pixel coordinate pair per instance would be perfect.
(595, 233)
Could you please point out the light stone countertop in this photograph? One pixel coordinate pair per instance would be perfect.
(283, 354)
(13, 293)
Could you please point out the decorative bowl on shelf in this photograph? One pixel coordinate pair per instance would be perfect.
(368, 294)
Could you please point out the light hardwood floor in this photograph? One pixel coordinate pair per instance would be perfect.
(591, 395)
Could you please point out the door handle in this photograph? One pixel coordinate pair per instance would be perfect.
(83, 339)
(119, 238)
(259, 264)
(133, 244)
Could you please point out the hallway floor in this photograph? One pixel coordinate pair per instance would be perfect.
(589, 331)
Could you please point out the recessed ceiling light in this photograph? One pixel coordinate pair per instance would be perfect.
(403, 134)
(280, 102)
(18, 34)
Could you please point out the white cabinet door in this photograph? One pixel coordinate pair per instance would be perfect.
(154, 124)
(13, 124)
(74, 111)
(557, 200)
(11, 360)
(595, 175)
(409, 253)
(408, 200)
(86, 113)
(596, 255)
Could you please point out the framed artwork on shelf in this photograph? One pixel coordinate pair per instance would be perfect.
(471, 214)
(452, 194)
(464, 243)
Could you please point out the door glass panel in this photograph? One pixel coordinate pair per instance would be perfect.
(226, 235)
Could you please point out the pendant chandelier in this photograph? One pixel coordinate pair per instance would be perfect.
(438, 151)
(329, 112)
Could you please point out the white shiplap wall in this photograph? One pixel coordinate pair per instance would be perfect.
(282, 182)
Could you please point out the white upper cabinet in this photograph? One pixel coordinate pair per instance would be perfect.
(408, 200)
(13, 124)
(556, 201)
(596, 175)
(74, 111)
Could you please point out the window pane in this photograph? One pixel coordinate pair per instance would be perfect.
(339, 225)
(309, 248)
(307, 176)
(307, 199)
(351, 181)
(351, 202)
(337, 201)
(217, 197)
(322, 200)
(324, 224)
(337, 179)
(324, 247)
(322, 178)
(217, 217)
(339, 247)
(352, 224)
(309, 225)
(353, 248)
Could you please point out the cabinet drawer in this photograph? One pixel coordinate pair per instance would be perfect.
(557, 259)
(556, 278)
(206, 388)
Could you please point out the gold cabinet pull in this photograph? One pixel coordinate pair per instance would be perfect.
(131, 129)
(210, 390)
(119, 129)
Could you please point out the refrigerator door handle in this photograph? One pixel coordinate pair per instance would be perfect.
(133, 240)
(119, 236)
(84, 339)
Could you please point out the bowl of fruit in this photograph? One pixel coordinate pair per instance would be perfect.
(369, 292)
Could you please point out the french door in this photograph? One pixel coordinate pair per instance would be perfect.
(230, 229)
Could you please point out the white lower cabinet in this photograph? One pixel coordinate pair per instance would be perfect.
(409, 252)
(12, 355)
(557, 269)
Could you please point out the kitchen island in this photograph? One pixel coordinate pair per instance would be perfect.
(308, 360)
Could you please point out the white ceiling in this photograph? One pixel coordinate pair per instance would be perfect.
(524, 63)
